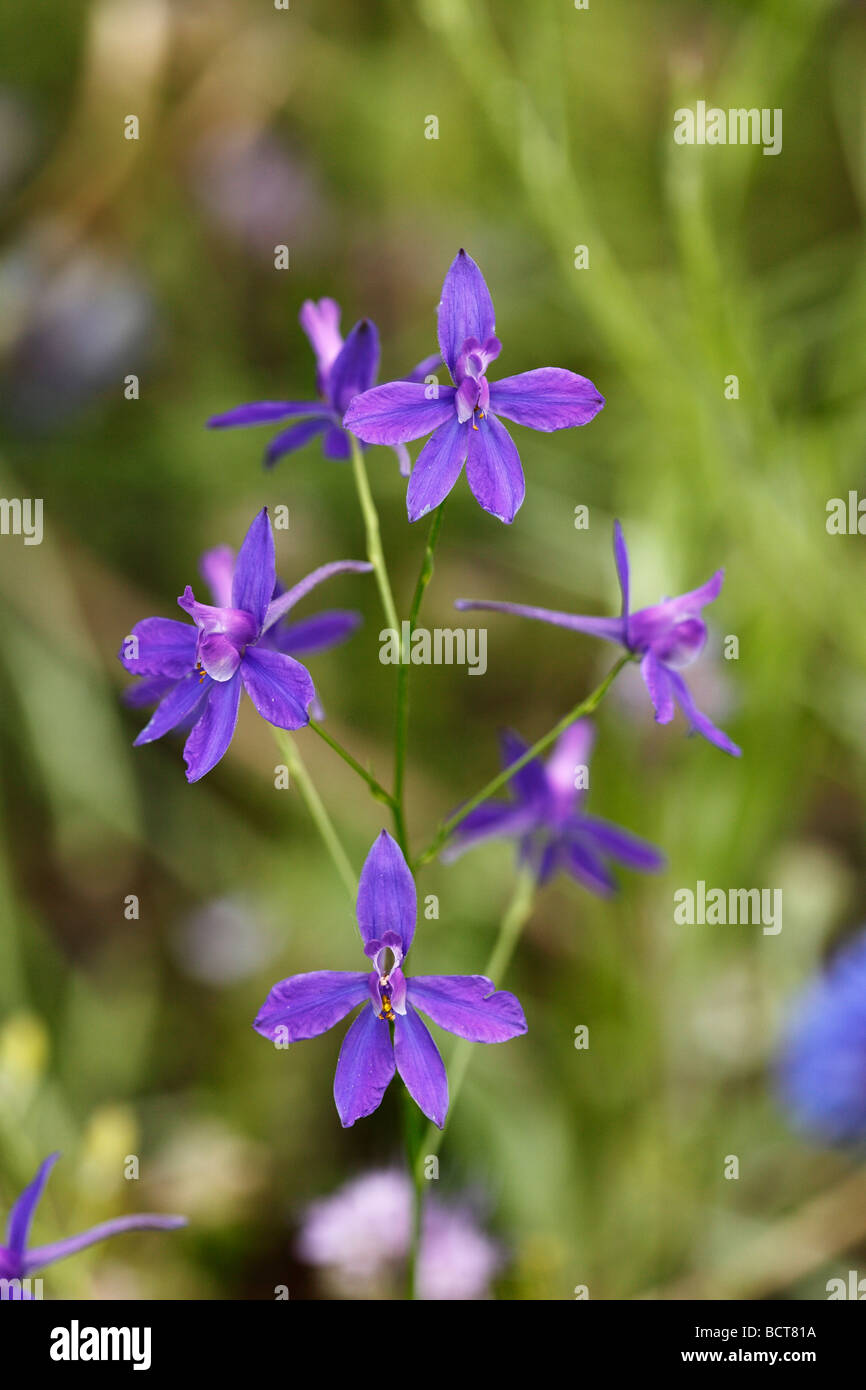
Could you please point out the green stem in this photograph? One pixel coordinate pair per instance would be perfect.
(317, 811)
(585, 707)
(375, 786)
(375, 553)
(376, 556)
(412, 1127)
(513, 921)
(402, 722)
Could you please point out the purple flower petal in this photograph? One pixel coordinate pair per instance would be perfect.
(493, 820)
(280, 687)
(572, 750)
(619, 844)
(306, 1005)
(213, 733)
(530, 782)
(11, 1267)
(295, 437)
(655, 678)
(355, 367)
(44, 1255)
(468, 1005)
(335, 445)
(321, 323)
(387, 901)
(698, 721)
(546, 859)
(611, 629)
(286, 601)
(620, 555)
(681, 644)
(493, 469)
(420, 1065)
(364, 1068)
(437, 467)
(219, 656)
(465, 309)
(216, 567)
(404, 461)
(318, 633)
(166, 647)
(548, 398)
(650, 623)
(21, 1214)
(148, 691)
(588, 867)
(398, 412)
(185, 698)
(466, 399)
(255, 570)
(265, 413)
(240, 627)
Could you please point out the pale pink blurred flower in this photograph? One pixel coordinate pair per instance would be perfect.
(359, 1238)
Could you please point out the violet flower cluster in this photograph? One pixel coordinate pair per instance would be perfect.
(196, 671)
(18, 1262)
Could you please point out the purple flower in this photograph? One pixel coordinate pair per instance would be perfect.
(82, 320)
(303, 638)
(469, 1005)
(464, 418)
(17, 1262)
(667, 637)
(822, 1070)
(546, 818)
(197, 672)
(343, 369)
(254, 189)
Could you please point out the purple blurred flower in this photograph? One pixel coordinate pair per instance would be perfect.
(17, 1262)
(469, 1005)
(666, 637)
(464, 417)
(343, 369)
(360, 1237)
(197, 671)
(546, 818)
(76, 324)
(822, 1068)
(255, 190)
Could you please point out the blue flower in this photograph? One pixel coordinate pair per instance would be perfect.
(822, 1066)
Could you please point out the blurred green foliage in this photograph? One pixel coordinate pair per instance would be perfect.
(155, 257)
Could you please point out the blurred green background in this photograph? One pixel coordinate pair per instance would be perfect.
(156, 257)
